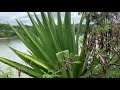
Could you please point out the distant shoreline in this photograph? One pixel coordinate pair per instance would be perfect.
(7, 38)
(3, 38)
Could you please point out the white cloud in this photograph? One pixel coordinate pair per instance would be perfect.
(11, 16)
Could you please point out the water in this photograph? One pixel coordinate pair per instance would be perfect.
(17, 44)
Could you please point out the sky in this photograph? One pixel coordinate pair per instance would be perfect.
(11, 16)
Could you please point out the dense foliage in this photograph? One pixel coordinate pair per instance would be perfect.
(53, 48)
(69, 51)
(6, 31)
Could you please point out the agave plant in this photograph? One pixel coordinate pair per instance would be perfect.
(53, 48)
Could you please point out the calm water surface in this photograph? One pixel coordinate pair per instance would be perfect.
(15, 43)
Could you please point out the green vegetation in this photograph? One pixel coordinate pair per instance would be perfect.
(47, 48)
(6, 31)
(54, 49)
(6, 73)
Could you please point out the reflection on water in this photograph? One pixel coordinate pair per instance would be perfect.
(15, 43)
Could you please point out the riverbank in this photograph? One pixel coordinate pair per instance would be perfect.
(7, 38)
(3, 38)
(6, 52)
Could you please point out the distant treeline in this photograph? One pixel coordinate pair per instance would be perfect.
(6, 31)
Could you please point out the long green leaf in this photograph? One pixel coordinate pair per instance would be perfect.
(53, 31)
(36, 60)
(59, 31)
(42, 36)
(27, 41)
(21, 67)
(35, 41)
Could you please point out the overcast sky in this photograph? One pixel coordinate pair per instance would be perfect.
(11, 16)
